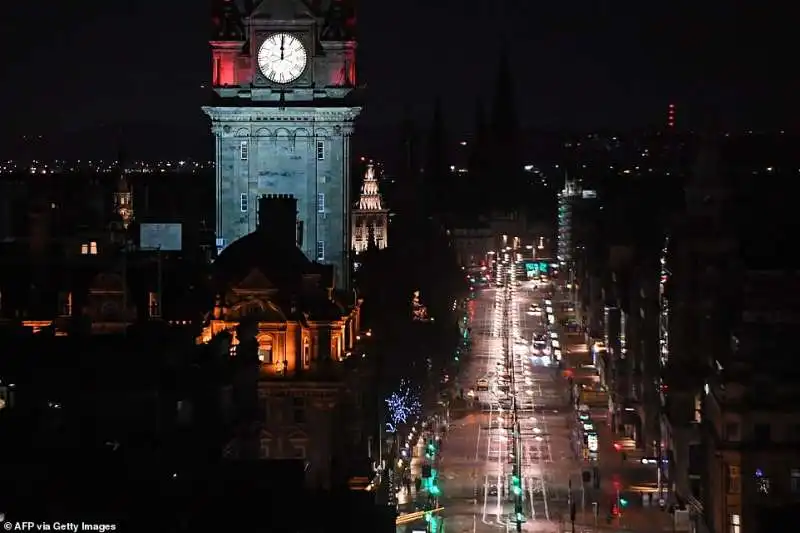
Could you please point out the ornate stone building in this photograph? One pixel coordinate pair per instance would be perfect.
(305, 331)
(370, 218)
(284, 78)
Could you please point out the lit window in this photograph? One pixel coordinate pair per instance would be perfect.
(306, 352)
(321, 202)
(243, 150)
(92, 248)
(243, 203)
(320, 250)
(84, 249)
(265, 353)
(320, 150)
(736, 523)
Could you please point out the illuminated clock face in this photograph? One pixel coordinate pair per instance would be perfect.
(282, 58)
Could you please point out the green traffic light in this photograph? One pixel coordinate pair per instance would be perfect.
(623, 502)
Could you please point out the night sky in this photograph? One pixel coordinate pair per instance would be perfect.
(74, 71)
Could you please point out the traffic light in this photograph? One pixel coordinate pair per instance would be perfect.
(516, 485)
(431, 450)
(434, 488)
(623, 503)
(617, 446)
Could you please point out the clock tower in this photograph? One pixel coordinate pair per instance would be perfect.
(284, 80)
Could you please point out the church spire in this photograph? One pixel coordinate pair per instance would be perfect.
(505, 160)
(408, 138)
(478, 147)
(123, 193)
(504, 116)
(436, 172)
(478, 187)
(370, 199)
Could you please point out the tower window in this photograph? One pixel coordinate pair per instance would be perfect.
(321, 202)
(320, 250)
(243, 203)
(320, 150)
(243, 150)
(89, 248)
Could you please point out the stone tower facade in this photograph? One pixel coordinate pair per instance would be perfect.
(370, 218)
(275, 136)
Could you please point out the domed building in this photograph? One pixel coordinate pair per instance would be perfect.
(305, 330)
(265, 277)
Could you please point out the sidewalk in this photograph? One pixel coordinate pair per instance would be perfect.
(623, 469)
(617, 470)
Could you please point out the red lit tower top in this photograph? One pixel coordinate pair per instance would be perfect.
(239, 22)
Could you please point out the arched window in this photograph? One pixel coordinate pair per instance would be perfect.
(306, 352)
(265, 349)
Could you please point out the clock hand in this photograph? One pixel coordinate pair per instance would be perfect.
(282, 38)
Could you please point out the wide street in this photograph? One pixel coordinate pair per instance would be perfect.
(477, 458)
(515, 346)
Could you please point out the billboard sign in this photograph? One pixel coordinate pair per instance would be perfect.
(163, 237)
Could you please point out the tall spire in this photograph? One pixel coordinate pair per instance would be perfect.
(408, 143)
(504, 116)
(370, 199)
(123, 192)
(478, 162)
(478, 147)
(505, 161)
(436, 174)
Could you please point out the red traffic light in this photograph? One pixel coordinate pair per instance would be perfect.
(617, 446)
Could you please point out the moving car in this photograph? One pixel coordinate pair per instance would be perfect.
(482, 385)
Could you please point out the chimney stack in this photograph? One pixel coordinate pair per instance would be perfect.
(277, 216)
